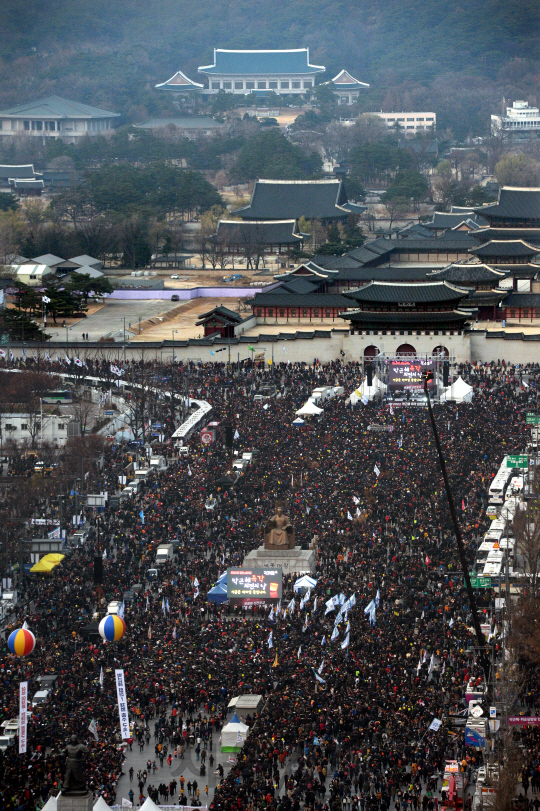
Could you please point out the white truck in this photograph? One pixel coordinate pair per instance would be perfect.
(158, 463)
(165, 552)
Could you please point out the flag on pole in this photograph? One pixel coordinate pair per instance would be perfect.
(335, 634)
(275, 661)
(321, 666)
(45, 299)
(174, 632)
(376, 470)
(323, 641)
(92, 726)
(329, 606)
(299, 652)
(349, 516)
(345, 643)
(236, 434)
(101, 678)
(435, 725)
(270, 640)
(377, 598)
(319, 678)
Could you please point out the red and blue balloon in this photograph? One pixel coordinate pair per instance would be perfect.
(21, 642)
(112, 628)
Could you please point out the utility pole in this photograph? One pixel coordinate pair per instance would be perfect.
(457, 531)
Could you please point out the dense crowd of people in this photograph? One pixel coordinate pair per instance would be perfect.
(348, 696)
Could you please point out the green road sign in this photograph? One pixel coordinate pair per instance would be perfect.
(481, 582)
(532, 419)
(517, 461)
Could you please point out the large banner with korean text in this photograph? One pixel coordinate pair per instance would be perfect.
(123, 713)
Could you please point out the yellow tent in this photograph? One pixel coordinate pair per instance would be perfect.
(43, 566)
(54, 557)
(48, 562)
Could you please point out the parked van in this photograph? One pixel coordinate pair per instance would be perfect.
(10, 728)
(40, 698)
(141, 474)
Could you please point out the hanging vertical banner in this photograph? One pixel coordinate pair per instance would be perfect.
(23, 709)
(122, 704)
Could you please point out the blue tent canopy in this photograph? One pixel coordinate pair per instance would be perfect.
(218, 594)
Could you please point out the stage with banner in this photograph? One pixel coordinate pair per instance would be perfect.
(400, 377)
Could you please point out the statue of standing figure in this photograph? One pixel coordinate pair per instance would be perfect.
(74, 780)
(279, 532)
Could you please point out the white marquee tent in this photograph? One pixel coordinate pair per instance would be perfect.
(368, 391)
(310, 409)
(459, 391)
(233, 736)
(101, 805)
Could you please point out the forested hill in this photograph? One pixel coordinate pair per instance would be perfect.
(111, 53)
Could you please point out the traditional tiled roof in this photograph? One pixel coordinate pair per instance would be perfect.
(180, 82)
(345, 81)
(287, 199)
(26, 183)
(261, 63)
(399, 292)
(262, 232)
(314, 272)
(367, 317)
(445, 219)
(56, 107)
(505, 247)
(469, 273)
(392, 273)
(224, 312)
(523, 300)
(21, 171)
(530, 235)
(85, 270)
(513, 204)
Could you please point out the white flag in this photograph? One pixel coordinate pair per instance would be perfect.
(236, 434)
(345, 643)
(356, 500)
(329, 606)
(349, 516)
(101, 678)
(126, 803)
(376, 470)
(435, 725)
(321, 666)
(45, 299)
(299, 652)
(270, 640)
(92, 726)
(189, 471)
(335, 634)
(68, 361)
(78, 362)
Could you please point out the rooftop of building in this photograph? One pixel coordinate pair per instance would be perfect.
(288, 199)
(261, 62)
(383, 292)
(179, 81)
(513, 203)
(56, 107)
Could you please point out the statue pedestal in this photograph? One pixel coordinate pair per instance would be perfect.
(301, 561)
(75, 802)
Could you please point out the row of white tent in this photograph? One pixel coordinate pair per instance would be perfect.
(458, 392)
(101, 805)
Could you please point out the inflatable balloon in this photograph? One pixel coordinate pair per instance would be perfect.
(112, 628)
(21, 642)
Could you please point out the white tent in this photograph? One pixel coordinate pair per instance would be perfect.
(310, 408)
(459, 391)
(149, 805)
(368, 391)
(305, 582)
(50, 805)
(233, 736)
(101, 805)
